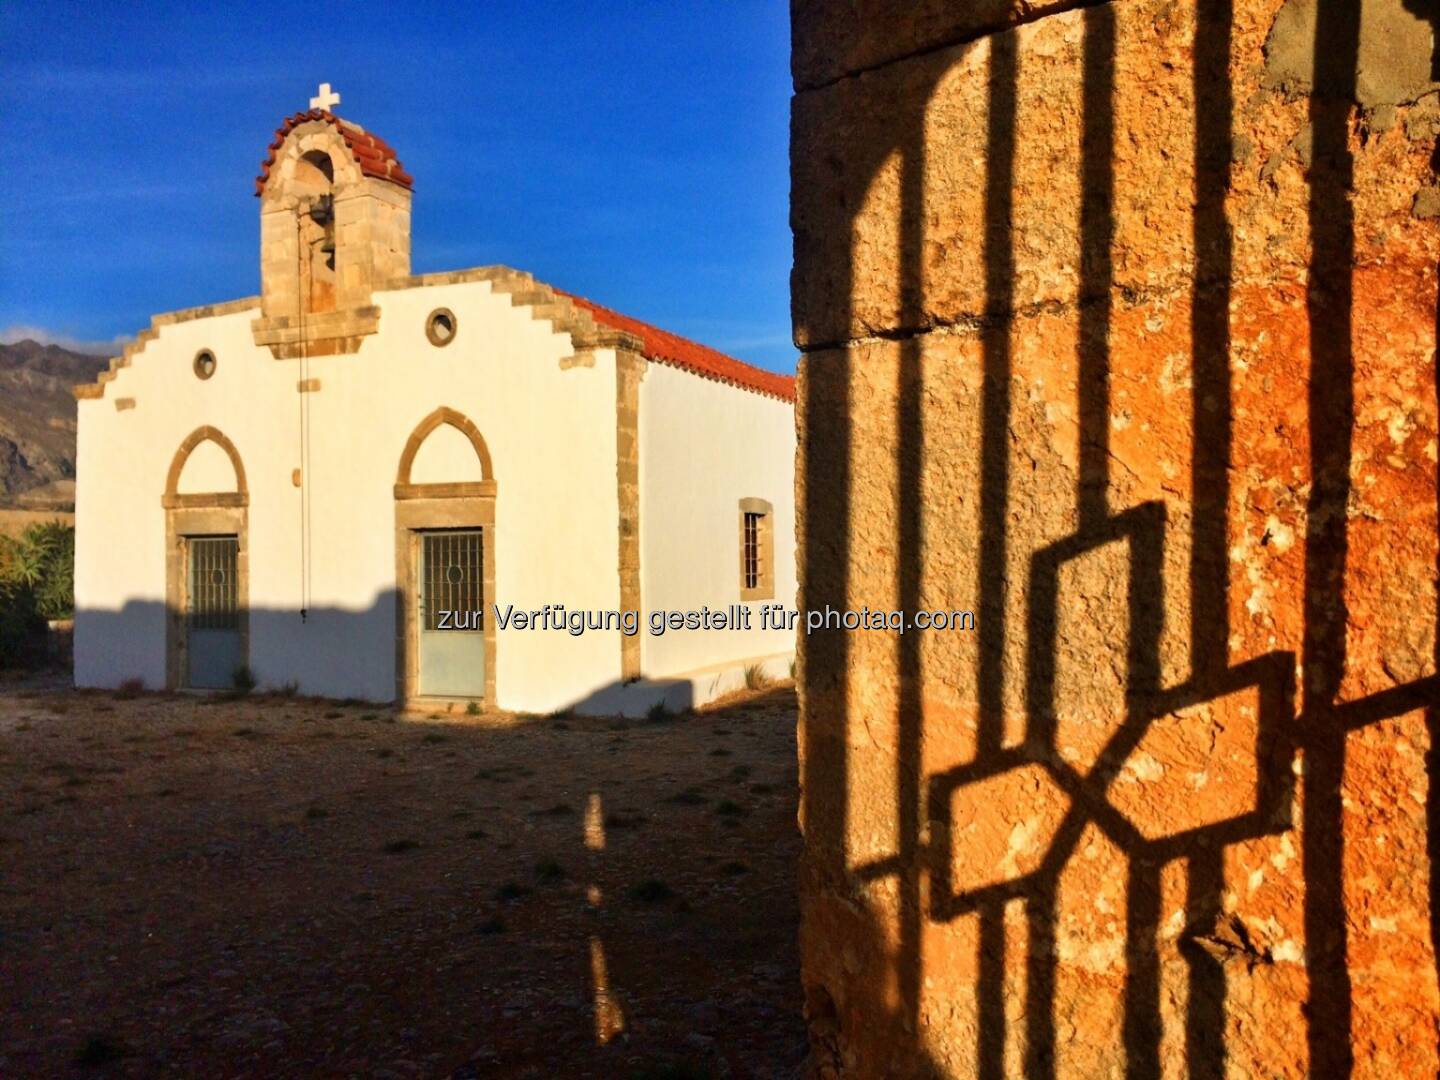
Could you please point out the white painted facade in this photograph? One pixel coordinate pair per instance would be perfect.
(704, 446)
(550, 429)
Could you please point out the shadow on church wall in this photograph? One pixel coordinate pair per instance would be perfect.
(1132, 826)
(331, 652)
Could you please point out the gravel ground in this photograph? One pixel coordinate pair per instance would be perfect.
(280, 887)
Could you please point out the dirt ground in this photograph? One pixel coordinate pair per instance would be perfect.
(278, 887)
(15, 520)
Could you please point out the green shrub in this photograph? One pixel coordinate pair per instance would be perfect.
(22, 630)
(55, 588)
(243, 679)
(37, 583)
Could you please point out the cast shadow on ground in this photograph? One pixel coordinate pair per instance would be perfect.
(534, 896)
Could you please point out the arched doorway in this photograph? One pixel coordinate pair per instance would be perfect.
(207, 579)
(445, 563)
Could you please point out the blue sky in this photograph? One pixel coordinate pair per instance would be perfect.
(631, 152)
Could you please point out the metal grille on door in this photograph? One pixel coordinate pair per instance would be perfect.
(453, 565)
(214, 594)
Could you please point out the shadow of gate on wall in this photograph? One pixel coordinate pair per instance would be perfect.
(926, 873)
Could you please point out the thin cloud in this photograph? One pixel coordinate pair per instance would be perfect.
(20, 332)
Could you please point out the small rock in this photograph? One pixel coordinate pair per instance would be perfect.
(1427, 204)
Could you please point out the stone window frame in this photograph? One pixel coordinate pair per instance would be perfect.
(195, 364)
(217, 513)
(764, 587)
(422, 507)
(430, 320)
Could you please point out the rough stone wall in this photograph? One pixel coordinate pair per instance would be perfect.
(372, 239)
(1119, 329)
(326, 313)
(629, 371)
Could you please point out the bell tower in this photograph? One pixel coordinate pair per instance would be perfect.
(334, 227)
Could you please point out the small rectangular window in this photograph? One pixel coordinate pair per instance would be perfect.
(752, 550)
(757, 558)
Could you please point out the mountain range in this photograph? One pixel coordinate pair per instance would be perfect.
(37, 420)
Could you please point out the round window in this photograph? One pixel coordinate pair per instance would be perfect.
(204, 364)
(440, 326)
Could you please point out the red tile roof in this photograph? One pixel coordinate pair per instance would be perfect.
(668, 348)
(372, 154)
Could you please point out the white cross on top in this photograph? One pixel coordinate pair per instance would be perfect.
(325, 99)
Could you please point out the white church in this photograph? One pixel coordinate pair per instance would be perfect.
(430, 489)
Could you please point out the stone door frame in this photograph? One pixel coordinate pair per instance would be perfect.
(422, 507)
(219, 513)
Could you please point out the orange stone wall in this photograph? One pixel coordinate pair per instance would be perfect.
(1119, 331)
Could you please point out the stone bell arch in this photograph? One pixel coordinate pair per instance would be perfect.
(334, 227)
